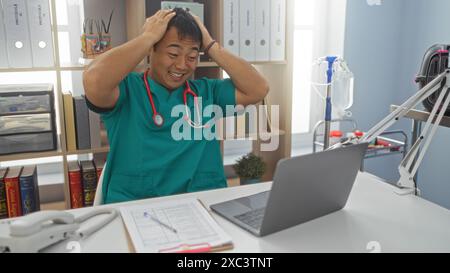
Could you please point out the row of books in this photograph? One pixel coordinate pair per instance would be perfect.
(84, 129)
(83, 179)
(19, 191)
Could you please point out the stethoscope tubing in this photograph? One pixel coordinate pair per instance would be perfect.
(158, 118)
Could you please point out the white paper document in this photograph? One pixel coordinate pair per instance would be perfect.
(174, 226)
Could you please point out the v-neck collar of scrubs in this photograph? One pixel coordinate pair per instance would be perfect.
(161, 92)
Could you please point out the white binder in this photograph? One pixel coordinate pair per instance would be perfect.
(247, 29)
(231, 26)
(17, 33)
(40, 33)
(278, 30)
(262, 33)
(3, 53)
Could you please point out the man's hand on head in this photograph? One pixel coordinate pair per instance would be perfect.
(156, 26)
(207, 39)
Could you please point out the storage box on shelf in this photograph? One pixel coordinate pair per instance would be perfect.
(27, 119)
(32, 133)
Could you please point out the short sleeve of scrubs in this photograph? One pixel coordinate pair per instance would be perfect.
(123, 97)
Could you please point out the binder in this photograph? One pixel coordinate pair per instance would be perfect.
(40, 33)
(69, 119)
(94, 130)
(230, 128)
(240, 126)
(247, 29)
(17, 33)
(3, 53)
(277, 30)
(82, 123)
(231, 26)
(262, 33)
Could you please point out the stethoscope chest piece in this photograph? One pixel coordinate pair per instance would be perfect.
(158, 119)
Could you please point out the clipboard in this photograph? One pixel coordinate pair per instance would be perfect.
(197, 248)
(196, 229)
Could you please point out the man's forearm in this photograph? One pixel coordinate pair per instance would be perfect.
(111, 67)
(244, 75)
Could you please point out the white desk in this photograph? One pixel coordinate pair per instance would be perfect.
(373, 213)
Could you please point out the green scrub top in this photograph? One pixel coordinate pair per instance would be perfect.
(144, 160)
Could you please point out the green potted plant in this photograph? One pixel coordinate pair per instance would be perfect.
(250, 168)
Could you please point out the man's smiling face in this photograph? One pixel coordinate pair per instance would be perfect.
(174, 60)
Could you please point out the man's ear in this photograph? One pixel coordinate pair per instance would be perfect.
(151, 51)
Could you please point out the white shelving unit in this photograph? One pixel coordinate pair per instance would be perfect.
(279, 75)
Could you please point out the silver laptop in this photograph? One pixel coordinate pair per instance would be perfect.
(304, 188)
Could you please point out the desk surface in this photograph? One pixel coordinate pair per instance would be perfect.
(373, 213)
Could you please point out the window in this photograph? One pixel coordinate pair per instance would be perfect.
(318, 31)
(303, 57)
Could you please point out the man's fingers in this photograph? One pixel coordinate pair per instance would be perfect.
(162, 14)
(165, 12)
(169, 12)
(170, 16)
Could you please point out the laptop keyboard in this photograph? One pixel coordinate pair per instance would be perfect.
(252, 218)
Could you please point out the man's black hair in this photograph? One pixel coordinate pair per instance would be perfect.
(186, 26)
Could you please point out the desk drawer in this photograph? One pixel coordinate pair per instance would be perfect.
(25, 124)
(27, 143)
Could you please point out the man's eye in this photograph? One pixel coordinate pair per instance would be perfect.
(171, 55)
(192, 58)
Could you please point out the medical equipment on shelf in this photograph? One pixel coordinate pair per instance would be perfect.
(339, 90)
(412, 160)
(386, 144)
(158, 118)
(36, 231)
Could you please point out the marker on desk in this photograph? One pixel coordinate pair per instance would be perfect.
(146, 214)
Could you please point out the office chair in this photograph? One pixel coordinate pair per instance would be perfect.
(98, 199)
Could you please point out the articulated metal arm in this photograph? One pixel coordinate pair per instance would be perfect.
(411, 162)
(393, 117)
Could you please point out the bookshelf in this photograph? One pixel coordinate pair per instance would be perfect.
(279, 75)
(58, 68)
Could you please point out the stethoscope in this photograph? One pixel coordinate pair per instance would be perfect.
(158, 118)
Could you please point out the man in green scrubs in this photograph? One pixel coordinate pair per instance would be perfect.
(146, 159)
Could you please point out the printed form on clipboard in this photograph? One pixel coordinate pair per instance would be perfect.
(181, 226)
